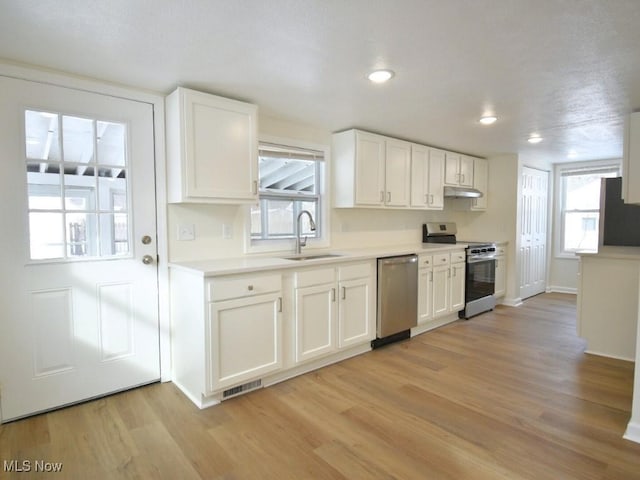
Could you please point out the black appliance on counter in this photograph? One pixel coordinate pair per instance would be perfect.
(480, 268)
(619, 221)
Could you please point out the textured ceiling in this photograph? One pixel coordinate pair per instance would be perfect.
(566, 69)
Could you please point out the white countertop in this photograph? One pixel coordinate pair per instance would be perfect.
(253, 263)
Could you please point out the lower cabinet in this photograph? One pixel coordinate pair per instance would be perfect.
(334, 308)
(441, 285)
(244, 339)
(457, 286)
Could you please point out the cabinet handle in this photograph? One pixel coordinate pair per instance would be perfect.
(431, 276)
(250, 288)
(462, 181)
(344, 293)
(333, 294)
(381, 196)
(388, 197)
(255, 187)
(431, 199)
(279, 304)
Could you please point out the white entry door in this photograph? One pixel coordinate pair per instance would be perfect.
(533, 232)
(78, 288)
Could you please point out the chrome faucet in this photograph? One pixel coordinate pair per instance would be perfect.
(303, 243)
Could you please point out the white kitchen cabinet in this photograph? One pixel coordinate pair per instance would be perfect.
(427, 177)
(631, 162)
(501, 272)
(480, 182)
(441, 285)
(244, 340)
(370, 170)
(397, 173)
(212, 149)
(457, 279)
(425, 289)
(334, 308)
(458, 170)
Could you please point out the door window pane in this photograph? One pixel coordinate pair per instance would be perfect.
(46, 235)
(44, 186)
(111, 144)
(42, 139)
(77, 139)
(80, 189)
(112, 189)
(81, 235)
(114, 234)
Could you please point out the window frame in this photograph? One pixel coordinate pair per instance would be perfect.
(562, 171)
(322, 221)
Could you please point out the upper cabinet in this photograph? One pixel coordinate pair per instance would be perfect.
(458, 170)
(427, 177)
(370, 170)
(212, 149)
(631, 165)
(480, 182)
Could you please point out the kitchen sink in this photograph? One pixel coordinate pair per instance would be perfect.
(312, 256)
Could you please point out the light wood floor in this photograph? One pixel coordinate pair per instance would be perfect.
(507, 395)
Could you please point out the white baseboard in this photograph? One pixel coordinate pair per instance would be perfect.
(608, 355)
(512, 302)
(633, 432)
(557, 289)
(200, 402)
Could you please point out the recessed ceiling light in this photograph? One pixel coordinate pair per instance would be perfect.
(380, 76)
(534, 139)
(488, 120)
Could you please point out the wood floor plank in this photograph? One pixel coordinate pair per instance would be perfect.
(509, 394)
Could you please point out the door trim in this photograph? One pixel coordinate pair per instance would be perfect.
(156, 100)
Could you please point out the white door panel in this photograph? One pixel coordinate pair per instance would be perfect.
(79, 314)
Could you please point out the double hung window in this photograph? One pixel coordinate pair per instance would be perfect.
(580, 206)
(290, 182)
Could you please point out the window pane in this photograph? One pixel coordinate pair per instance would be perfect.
(280, 217)
(77, 139)
(306, 225)
(286, 175)
(42, 137)
(79, 188)
(581, 231)
(111, 144)
(256, 221)
(43, 185)
(82, 235)
(583, 191)
(46, 235)
(114, 234)
(112, 189)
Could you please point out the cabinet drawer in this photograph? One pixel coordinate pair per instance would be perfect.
(236, 287)
(318, 276)
(351, 272)
(441, 259)
(457, 257)
(425, 261)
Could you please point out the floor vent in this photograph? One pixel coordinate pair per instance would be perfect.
(240, 389)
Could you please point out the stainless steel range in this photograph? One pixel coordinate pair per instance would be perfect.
(480, 271)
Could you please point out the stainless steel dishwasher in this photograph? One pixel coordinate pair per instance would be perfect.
(397, 298)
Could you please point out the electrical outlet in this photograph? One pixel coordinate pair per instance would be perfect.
(186, 232)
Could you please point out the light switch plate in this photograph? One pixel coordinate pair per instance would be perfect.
(186, 232)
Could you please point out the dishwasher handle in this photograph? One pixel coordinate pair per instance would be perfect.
(398, 260)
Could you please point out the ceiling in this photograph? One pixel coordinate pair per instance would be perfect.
(568, 70)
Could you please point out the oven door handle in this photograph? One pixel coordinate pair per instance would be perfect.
(480, 258)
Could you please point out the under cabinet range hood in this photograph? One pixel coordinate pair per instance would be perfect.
(462, 192)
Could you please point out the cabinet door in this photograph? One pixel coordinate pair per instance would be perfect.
(369, 176)
(315, 311)
(451, 168)
(244, 340)
(425, 295)
(466, 171)
(220, 148)
(457, 286)
(441, 292)
(397, 173)
(419, 176)
(480, 182)
(356, 319)
(501, 277)
(436, 179)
